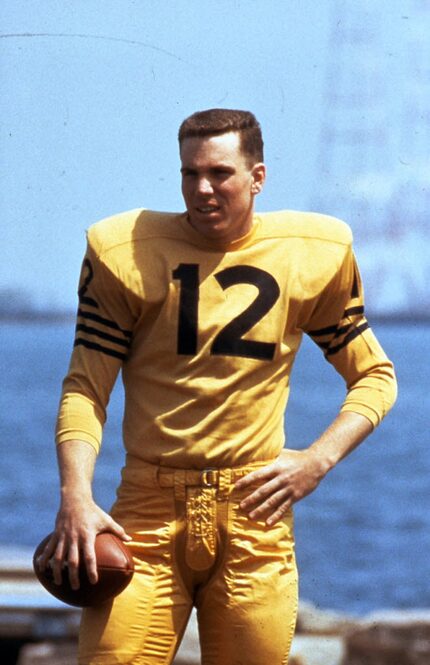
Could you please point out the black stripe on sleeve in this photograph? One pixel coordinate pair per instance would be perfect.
(359, 309)
(342, 330)
(338, 332)
(106, 322)
(98, 347)
(323, 331)
(348, 338)
(81, 327)
(329, 330)
(322, 345)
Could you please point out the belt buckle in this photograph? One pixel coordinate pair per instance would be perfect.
(209, 477)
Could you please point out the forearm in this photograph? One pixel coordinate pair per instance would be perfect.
(298, 472)
(76, 463)
(342, 436)
(79, 519)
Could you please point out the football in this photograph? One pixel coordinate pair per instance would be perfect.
(115, 569)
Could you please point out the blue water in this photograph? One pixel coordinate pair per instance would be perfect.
(363, 537)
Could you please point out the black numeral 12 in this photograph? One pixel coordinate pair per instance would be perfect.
(229, 341)
(188, 275)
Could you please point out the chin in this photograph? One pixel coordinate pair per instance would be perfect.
(209, 228)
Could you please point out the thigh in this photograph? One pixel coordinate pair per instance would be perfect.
(145, 623)
(248, 612)
(142, 626)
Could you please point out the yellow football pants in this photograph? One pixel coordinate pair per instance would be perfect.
(192, 545)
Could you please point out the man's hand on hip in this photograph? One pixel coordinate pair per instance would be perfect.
(294, 475)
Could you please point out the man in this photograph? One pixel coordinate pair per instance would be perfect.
(204, 312)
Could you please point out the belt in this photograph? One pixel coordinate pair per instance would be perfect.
(210, 477)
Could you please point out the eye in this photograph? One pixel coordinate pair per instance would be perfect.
(222, 174)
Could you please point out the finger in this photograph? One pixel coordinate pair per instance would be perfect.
(57, 561)
(256, 476)
(280, 512)
(73, 565)
(270, 505)
(260, 494)
(89, 557)
(43, 558)
(119, 531)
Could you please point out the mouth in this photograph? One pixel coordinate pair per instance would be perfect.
(207, 209)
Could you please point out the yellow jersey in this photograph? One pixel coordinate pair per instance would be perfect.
(205, 334)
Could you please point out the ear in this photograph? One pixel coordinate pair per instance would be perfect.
(258, 173)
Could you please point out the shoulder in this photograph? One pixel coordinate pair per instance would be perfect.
(126, 228)
(306, 226)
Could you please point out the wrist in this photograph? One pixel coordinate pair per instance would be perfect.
(339, 439)
(322, 460)
(76, 492)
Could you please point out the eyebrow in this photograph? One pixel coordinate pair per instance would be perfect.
(217, 167)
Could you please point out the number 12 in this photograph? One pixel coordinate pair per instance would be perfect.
(229, 341)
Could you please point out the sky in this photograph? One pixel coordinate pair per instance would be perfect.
(93, 91)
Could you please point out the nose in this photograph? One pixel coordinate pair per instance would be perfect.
(204, 186)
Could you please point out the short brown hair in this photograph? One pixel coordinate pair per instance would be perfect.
(220, 121)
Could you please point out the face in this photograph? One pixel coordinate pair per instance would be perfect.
(219, 186)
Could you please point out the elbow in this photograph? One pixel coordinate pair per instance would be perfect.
(374, 393)
(392, 390)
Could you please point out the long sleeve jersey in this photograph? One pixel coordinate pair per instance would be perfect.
(206, 334)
